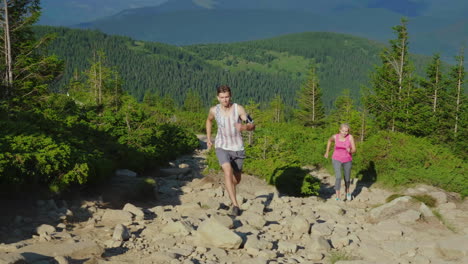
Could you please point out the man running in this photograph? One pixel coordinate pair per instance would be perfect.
(229, 145)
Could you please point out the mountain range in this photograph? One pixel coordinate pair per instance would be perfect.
(434, 26)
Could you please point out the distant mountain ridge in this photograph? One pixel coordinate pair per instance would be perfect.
(434, 27)
(185, 22)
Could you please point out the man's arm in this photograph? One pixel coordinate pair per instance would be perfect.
(209, 123)
(243, 117)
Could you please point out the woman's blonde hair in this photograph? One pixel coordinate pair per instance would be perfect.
(345, 125)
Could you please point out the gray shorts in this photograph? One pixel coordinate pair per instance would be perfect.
(236, 158)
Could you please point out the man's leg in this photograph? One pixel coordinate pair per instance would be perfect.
(237, 177)
(230, 181)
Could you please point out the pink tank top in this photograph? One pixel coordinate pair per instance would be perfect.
(340, 153)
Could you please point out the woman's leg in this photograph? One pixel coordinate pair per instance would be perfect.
(337, 168)
(347, 175)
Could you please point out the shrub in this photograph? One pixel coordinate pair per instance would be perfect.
(397, 159)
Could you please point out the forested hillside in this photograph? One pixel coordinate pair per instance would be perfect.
(410, 127)
(185, 22)
(258, 70)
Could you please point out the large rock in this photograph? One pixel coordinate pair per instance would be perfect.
(388, 230)
(133, 209)
(12, 258)
(174, 171)
(409, 216)
(177, 228)
(117, 216)
(317, 244)
(440, 197)
(389, 209)
(46, 251)
(455, 247)
(125, 173)
(214, 234)
(121, 233)
(45, 229)
(300, 226)
(322, 229)
(287, 247)
(254, 243)
(255, 220)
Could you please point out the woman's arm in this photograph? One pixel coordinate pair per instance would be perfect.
(353, 146)
(330, 141)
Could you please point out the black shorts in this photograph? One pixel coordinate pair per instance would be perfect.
(236, 158)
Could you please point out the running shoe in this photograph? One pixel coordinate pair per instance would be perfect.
(348, 197)
(235, 211)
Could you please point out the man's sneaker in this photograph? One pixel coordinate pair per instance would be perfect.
(348, 197)
(235, 211)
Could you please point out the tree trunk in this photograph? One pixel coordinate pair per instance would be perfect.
(100, 80)
(436, 88)
(459, 84)
(8, 56)
(363, 124)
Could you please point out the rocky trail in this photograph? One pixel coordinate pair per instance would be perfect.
(188, 222)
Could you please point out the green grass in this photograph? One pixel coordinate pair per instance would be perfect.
(338, 256)
(295, 66)
(444, 221)
(424, 198)
(393, 197)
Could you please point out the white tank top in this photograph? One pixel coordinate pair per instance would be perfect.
(228, 137)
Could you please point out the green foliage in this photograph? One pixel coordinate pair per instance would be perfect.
(62, 144)
(336, 256)
(310, 186)
(192, 121)
(25, 70)
(396, 159)
(212, 163)
(278, 151)
(311, 111)
(426, 199)
(393, 197)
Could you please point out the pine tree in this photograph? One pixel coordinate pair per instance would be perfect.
(345, 112)
(193, 102)
(456, 99)
(311, 111)
(101, 86)
(277, 109)
(434, 91)
(27, 73)
(391, 98)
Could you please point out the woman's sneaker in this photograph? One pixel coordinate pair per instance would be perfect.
(348, 197)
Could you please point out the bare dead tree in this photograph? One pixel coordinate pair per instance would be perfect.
(7, 48)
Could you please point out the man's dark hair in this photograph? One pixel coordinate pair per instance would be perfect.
(223, 89)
